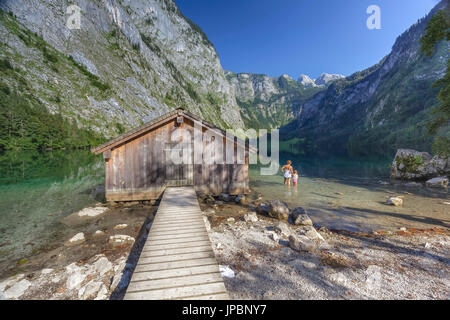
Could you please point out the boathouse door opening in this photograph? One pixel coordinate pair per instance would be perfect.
(179, 164)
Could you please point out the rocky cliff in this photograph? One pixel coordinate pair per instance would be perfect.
(267, 102)
(377, 110)
(130, 61)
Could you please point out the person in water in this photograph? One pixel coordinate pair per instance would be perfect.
(295, 178)
(287, 172)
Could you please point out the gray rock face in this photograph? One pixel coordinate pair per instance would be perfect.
(300, 217)
(439, 182)
(301, 243)
(150, 55)
(349, 112)
(282, 229)
(410, 164)
(279, 210)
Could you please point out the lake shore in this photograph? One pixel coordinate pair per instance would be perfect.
(405, 264)
(95, 263)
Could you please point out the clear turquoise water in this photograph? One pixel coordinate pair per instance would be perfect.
(38, 189)
(343, 193)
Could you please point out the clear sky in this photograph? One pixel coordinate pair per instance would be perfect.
(301, 36)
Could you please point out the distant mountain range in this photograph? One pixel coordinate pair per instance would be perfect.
(377, 110)
(134, 60)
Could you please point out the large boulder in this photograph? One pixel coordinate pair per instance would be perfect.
(410, 164)
(439, 182)
(300, 217)
(279, 210)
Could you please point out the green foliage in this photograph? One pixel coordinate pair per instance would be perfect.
(437, 29)
(26, 124)
(441, 146)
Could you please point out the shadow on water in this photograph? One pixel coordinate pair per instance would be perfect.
(351, 193)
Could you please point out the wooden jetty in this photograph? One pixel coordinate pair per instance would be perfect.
(177, 260)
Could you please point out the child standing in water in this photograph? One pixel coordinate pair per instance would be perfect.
(287, 172)
(295, 178)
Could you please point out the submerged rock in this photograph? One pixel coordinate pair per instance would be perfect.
(121, 226)
(439, 182)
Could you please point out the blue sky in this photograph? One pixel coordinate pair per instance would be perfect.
(301, 36)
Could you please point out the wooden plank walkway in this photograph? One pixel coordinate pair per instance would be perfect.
(177, 260)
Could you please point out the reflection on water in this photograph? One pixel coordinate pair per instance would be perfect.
(37, 189)
(344, 193)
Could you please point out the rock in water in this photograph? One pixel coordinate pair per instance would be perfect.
(300, 217)
(414, 165)
(395, 201)
(262, 209)
(121, 226)
(76, 239)
(439, 182)
(279, 210)
(301, 243)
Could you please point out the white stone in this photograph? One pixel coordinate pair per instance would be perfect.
(76, 239)
(251, 217)
(120, 239)
(46, 271)
(92, 212)
(102, 266)
(17, 289)
(207, 224)
(74, 281)
(90, 290)
(395, 201)
(226, 271)
(102, 294)
(121, 226)
(99, 233)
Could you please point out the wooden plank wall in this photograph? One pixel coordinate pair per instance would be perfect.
(136, 170)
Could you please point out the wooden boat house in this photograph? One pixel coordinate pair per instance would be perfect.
(139, 164)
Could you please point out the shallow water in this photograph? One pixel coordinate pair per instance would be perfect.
(37, 190)
(343, 193)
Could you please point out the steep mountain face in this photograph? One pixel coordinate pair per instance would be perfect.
(267, 102)
(379, 109)
(131, 61)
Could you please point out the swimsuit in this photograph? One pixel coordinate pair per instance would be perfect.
(287, 174)
(295, 178)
